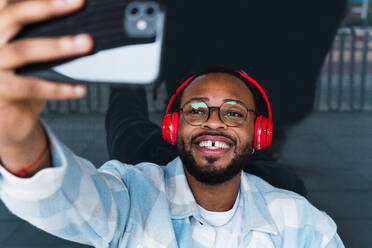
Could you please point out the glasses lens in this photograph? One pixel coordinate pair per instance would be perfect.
(233, 113)
(195, 112)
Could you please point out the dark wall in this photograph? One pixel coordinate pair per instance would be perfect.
(281, 44)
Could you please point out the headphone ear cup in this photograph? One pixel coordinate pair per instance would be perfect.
(257, 133)
(262, 133)
(269, 133)
(165, 127)
(170, 127)
(175, 118)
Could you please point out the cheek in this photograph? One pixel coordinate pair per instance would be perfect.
(246, 135)
(183, 131)
(180, 130)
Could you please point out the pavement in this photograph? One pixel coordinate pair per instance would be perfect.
(330, 151)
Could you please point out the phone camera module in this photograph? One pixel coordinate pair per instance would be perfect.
(140, 20)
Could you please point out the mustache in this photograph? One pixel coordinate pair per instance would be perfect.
(213, 133)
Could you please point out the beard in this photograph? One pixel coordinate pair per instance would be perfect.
(209, 174)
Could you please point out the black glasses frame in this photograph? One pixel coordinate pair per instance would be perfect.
(219, 112)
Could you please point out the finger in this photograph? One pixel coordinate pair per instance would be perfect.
(3, 3)
(24, 12)
(35, 50)
(20, 88)
(8, 34)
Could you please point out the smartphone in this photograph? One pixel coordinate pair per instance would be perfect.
(128, 42)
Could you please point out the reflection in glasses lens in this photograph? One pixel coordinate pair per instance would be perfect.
(232, 113)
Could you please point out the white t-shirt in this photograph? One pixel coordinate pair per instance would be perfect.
(226, 224)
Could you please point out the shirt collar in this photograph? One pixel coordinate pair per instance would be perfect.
(182, 203)
(256, 214)
(181, 200)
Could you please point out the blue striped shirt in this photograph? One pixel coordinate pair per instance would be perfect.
(147, 205)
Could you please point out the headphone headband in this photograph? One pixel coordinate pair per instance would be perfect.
(178, 91)
(259, 88)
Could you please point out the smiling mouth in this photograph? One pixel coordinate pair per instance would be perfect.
(213, 145)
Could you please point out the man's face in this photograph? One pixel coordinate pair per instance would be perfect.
(231, 146)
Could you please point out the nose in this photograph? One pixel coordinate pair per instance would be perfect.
(214, 121)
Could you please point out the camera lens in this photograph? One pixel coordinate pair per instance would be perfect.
(134, 11)
(150, 11)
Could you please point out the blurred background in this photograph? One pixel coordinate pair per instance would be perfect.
(313, 58)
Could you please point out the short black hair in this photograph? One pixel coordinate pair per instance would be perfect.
(261, 107)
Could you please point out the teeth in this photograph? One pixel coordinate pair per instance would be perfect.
(213, 145)
(210, 143)
(206, 143)
(221, 144)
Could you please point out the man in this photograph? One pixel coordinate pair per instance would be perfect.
(201, 199)
(132, 138)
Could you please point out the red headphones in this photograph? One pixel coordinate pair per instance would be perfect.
(263, 126)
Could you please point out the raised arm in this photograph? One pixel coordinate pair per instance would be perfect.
(71, 199)
(131, 137)
(22, 99)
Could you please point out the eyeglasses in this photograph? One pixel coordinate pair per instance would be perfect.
(233, 113)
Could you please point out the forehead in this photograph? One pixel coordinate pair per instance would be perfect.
(217, 87)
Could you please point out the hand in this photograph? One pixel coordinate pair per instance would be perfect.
(23, 98)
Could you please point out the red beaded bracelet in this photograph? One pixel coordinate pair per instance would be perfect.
(23, 172)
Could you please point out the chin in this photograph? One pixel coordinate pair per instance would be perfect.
(212, 163)
(212, 170)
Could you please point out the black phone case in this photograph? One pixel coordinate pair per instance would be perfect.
(102, 19)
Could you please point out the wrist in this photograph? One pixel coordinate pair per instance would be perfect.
(29, 156)
(32, 168)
